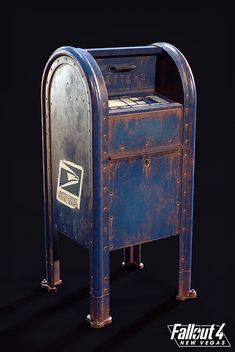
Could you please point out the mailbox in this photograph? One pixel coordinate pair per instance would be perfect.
(118, 147)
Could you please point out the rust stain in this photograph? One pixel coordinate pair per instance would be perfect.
(149, 114)
(131, 162)
(171, 159)
(110, 226)
(110, 125)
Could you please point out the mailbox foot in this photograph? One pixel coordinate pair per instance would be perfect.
(51, 289)
(191, 295)
(98, 324)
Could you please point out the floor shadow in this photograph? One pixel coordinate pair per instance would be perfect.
(69, 338)
(137, 325)
(52, 310)
(32, 297)
(73, 336)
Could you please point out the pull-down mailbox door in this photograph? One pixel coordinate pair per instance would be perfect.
(144, 174)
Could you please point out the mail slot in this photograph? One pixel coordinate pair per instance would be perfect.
(118, 149)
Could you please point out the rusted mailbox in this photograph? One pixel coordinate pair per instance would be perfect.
(118, 141)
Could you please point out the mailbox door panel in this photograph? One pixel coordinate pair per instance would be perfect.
(69, 113)
(142, 131)
(144, 201)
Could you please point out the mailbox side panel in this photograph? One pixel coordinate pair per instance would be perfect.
(69, 114)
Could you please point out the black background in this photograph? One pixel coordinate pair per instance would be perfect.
(142, 302)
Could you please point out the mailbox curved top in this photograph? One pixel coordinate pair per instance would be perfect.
(87, 58)
(94, 77)
(185, 72)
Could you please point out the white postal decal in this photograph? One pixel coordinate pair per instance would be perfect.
(69, 186)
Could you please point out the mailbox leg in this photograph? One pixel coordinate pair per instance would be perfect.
(52, 262)
(132, 256)
(99, 289)
(185, 291)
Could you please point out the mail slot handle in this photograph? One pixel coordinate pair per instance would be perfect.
(122, 68)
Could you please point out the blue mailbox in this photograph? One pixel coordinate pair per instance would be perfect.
(118, 148)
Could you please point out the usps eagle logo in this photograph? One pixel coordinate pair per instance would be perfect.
(69, 185)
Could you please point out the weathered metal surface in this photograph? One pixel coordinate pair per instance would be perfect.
(139, 79)
(70, 113)
(95, 239)
(143, 131)
(189, 98)
(132, 256)
(144, 200)
(125, 51)
(114, 178)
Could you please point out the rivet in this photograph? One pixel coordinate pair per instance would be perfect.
(90, 242)
(186, 141)
(105, 209)
(122, 147)
(105, 153)
(184, 211)
(111, 246)
(184, 229)
(105, 168)
(105, 229)
(185, 155)
(105, 278)
(104, 104)
(169, 140)
(105, 248)
(105, 189)
(178, 204)
(185, 173)
(105, 136)
(106, 290)
(178, 180)
(111, 217)
(185, 193)
(186, 125)
(111, 194)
